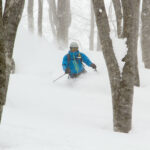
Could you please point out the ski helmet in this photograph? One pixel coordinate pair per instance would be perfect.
(73, 45)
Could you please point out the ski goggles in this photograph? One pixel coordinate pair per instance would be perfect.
(74, 49)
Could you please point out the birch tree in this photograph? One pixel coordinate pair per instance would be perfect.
(9, 21)
(122, 83)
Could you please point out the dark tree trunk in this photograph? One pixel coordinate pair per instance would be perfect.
(2, 64)
(40, 17)
(8, 28)
(30, 15)
(145, 37)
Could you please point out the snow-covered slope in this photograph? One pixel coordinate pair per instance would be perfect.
(68, 114)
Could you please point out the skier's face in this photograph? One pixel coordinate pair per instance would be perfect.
(74, 49)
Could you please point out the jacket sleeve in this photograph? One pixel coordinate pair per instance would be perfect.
(65, 63)
(86, 60)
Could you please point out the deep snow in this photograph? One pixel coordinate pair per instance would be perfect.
(68, 114)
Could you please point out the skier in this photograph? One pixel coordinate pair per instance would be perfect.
(73, 61)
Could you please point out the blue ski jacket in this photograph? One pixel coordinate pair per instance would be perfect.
(73, 60)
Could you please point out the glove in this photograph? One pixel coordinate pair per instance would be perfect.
(93, 66)
(67, 71)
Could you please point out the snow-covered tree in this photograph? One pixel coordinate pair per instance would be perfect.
(9, 21)
(122, 83)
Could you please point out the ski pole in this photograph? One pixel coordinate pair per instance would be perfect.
(96, 70)
(59, 77)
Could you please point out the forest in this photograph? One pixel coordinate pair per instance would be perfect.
(57, 101)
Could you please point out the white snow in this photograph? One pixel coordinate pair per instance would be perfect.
(120, 49)
(68, 114)
(100, 10)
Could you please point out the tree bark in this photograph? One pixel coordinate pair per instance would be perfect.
(107, 49)
(64, 21)
(40, 17)
(135, 28)
(30, 15)
(8, 28)
(53, 17)
(145, 36)
(121, 84)
(60, 19)
(91, 39)
(118, 12)
(129, 74)
(99, 48)
(2, 64)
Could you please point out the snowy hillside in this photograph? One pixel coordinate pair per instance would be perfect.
(70, 114)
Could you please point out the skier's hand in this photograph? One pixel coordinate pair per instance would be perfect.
(67, 71)
(93, 66)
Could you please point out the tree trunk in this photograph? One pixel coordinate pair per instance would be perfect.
(136, 8)
(135, 29)
(107, 48)
(145, 37)
(60, 20)
(122, 88)
(64, 21)
(2, 64)
(99, 47)
(118, 12)
(30, 15)
(131, 24)
(11, 19)
(40, 17)
(91, 40)
(53, 17)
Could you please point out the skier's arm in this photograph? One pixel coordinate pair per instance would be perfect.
(65, 63)
(86, 60)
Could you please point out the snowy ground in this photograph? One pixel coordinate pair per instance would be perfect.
(67, 114)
